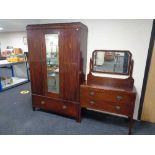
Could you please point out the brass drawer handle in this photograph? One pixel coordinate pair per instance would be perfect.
(92, 102)
(91, 93)
(119, 98)
(64, 107)
(42, 102)
(118, 107)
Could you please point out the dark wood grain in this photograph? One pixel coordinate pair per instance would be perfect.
(35, 61)
(69, 65)
(72, 63)
(56, 105)
(114, 82)
(108, 99)
(73, 25)
(107, 94)
(107, 107)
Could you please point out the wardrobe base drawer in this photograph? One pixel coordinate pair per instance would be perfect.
(54, 105)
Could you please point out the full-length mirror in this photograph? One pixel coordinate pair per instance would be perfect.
(111, 61)
(52, 61)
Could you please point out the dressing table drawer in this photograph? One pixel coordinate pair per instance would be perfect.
(113, 101)
(107, 95)
(107, 106)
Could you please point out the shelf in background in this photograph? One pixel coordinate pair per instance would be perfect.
(16, 81)
(5, 62)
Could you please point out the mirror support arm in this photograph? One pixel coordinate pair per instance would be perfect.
(90, 65)
(131, 68)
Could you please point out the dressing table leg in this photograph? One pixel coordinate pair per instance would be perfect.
(130, 125)
(78, 119)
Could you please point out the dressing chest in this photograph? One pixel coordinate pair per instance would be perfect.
(106, 94)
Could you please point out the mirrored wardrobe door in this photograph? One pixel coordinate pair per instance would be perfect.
(52, 62)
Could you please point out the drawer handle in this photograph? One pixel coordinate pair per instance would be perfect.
(91, 93)
(42, 102)
(92, 102)
(118, 107)
(64, 107)
(119, 97)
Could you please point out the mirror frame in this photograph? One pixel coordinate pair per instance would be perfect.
(122, 51)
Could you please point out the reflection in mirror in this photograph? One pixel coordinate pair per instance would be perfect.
(111, 62)
(52, 62)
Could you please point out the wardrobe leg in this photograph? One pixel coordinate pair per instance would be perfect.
(78, 119)
(130, 125)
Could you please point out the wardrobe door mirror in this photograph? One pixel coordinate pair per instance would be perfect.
(112, 62)
(52, 62)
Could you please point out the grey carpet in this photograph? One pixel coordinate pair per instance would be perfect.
(17, 117)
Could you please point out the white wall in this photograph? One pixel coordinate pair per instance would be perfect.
(14, 39)
(132, 35)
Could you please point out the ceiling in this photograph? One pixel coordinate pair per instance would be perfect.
(17, 25)
(14, 25)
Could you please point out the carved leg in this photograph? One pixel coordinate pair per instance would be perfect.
(130, 125)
